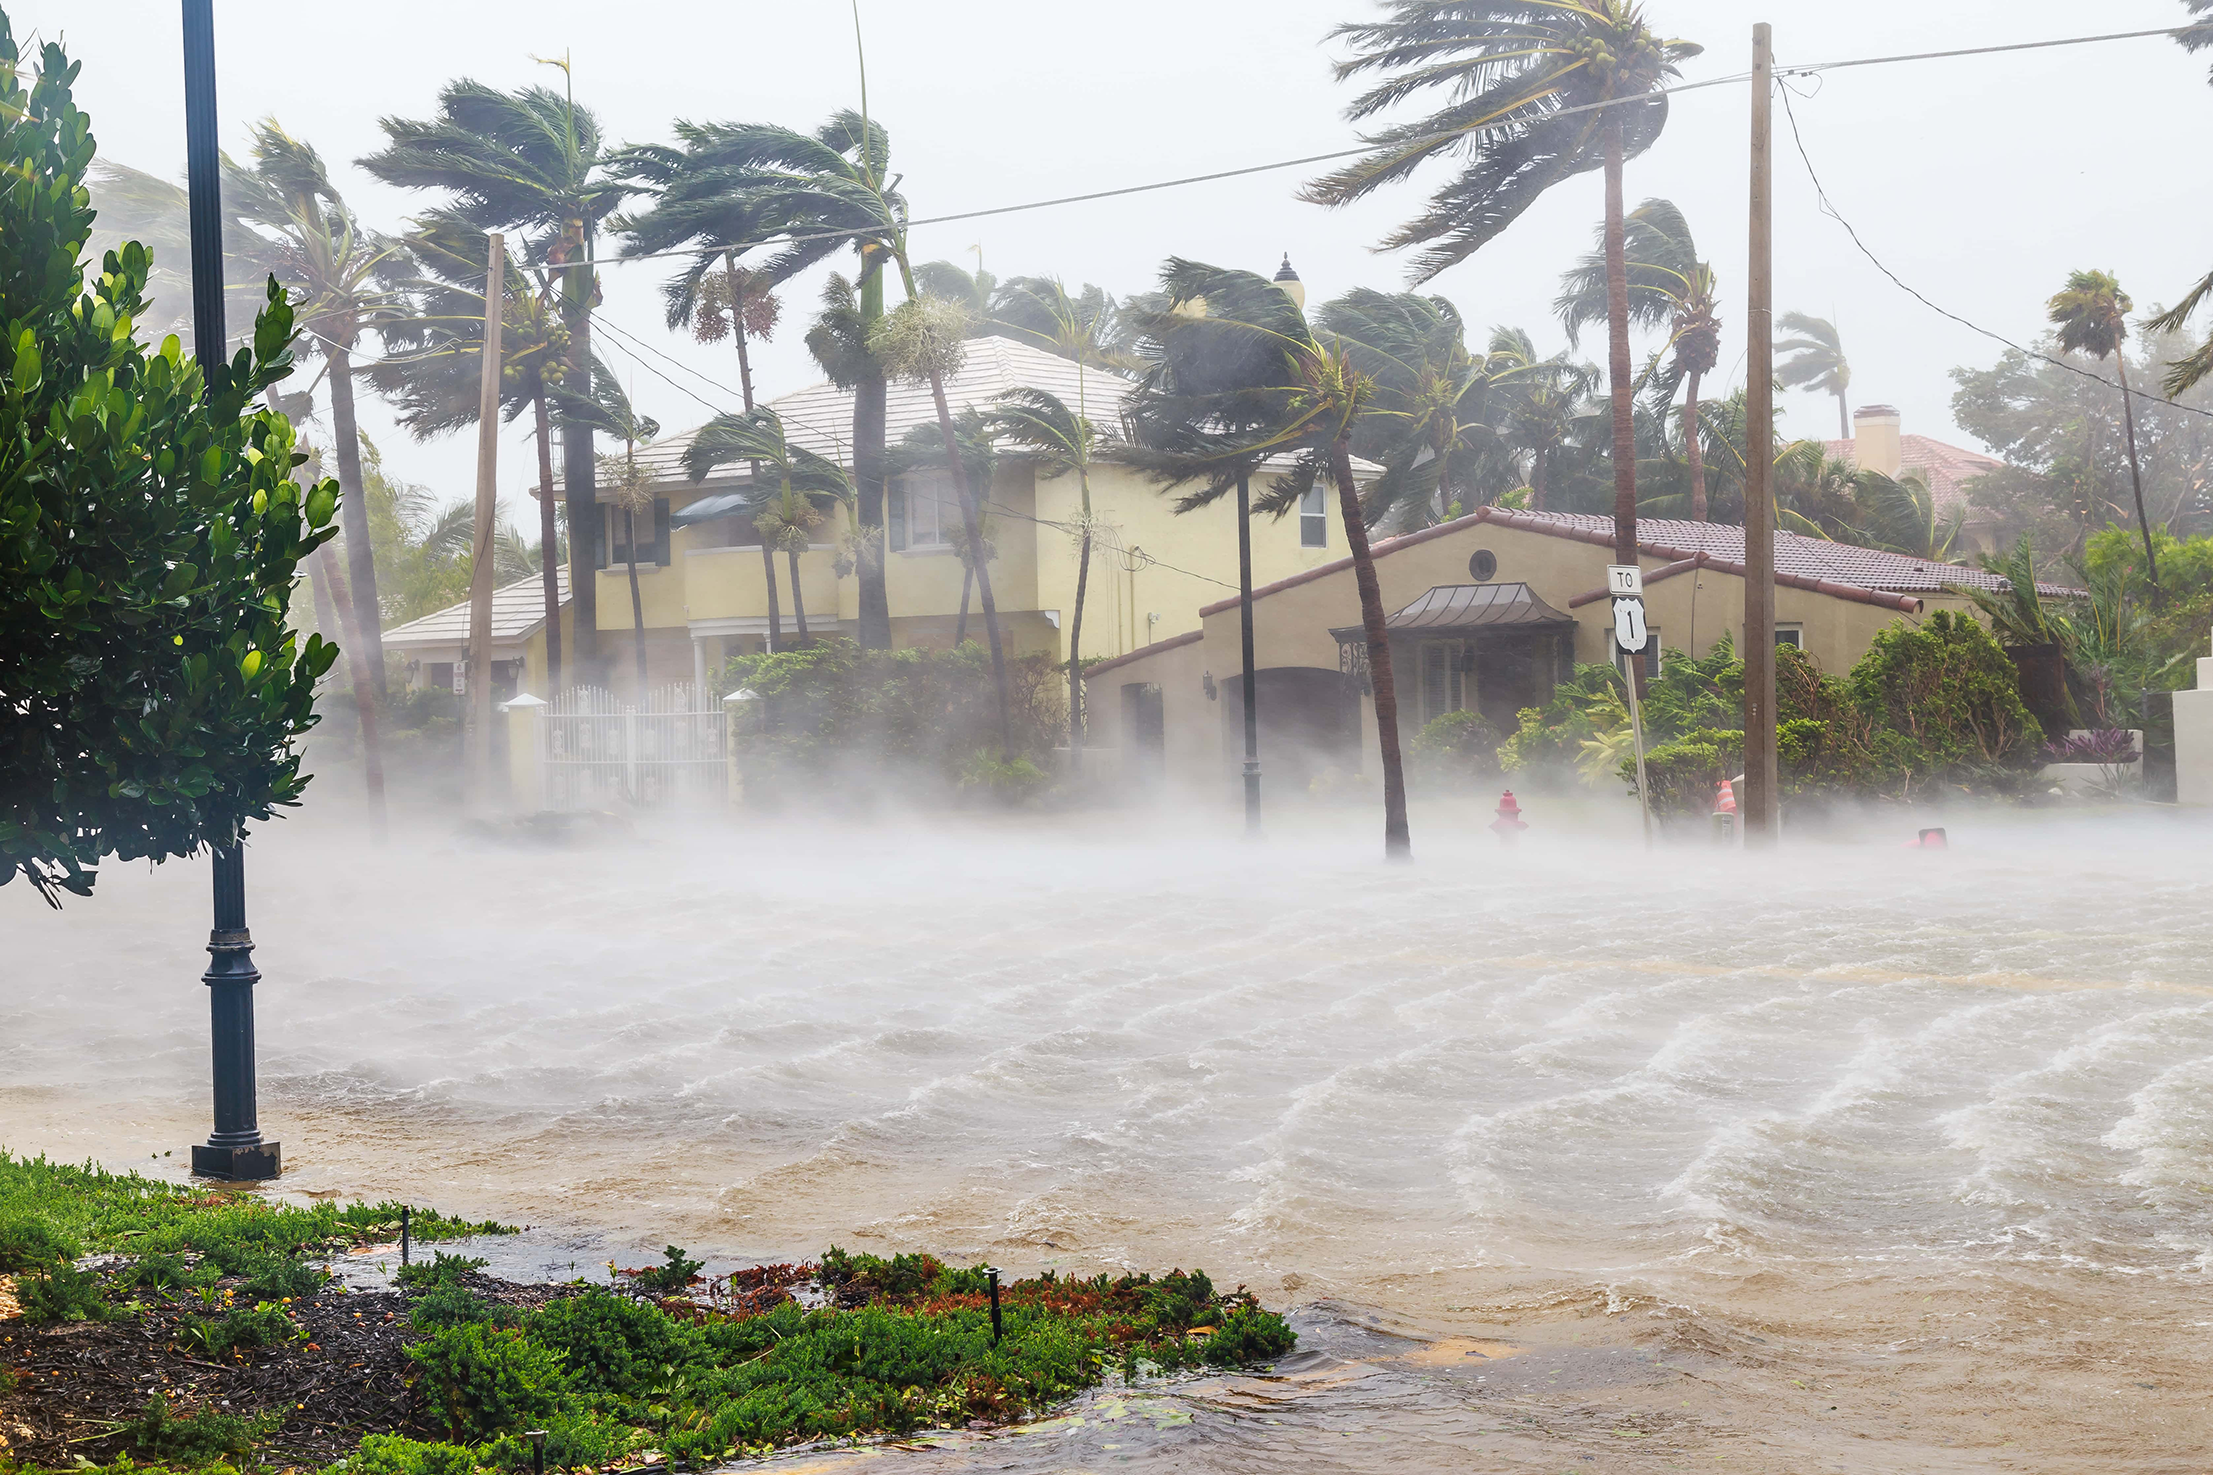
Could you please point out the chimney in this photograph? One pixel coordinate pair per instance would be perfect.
(1875, 441)
(1289, 281)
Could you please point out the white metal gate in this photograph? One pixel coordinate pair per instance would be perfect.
(598, 753)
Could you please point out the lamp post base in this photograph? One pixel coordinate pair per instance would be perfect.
(238, 1164)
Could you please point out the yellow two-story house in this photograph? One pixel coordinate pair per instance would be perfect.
(702, 585)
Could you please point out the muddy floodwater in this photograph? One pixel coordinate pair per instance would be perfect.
(1848, 1157)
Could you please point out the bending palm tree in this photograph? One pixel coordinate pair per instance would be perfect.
(1547, 404)
(817, 193)
(2091, 313)
(1515, 69)
(1058, 441)
(1668, 286)
(923, 449)
(1813, 358)
(1239, 381)
(808, 486)
(434, 372)
(531, 162)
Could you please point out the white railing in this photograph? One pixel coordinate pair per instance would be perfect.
(598, 753)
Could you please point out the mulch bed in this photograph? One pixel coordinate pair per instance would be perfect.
(349, 1377)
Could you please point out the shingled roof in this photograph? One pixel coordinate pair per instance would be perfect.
(518, 611)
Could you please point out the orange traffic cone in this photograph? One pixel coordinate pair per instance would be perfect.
(1725, 798)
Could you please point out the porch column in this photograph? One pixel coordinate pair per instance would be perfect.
(699, 673)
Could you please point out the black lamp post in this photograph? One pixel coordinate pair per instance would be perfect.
(234, 1150)
(1245, 635)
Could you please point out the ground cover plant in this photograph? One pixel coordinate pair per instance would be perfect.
(205, 1335)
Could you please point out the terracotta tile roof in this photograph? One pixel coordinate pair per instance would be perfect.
(1946, 468)
(1186, 638)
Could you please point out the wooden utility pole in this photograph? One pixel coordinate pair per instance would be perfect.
(479, 720)
(1758, 802)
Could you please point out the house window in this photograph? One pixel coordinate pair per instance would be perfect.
(1314, 518)
(1652, 656)
(441, 675)
(653, 535)
(1791, 635)
(1445, 665)
(923, 512)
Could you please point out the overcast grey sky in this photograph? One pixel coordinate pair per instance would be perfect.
(1982, 181)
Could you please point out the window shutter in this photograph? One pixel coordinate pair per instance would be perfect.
(599, 536)
(895, 513)
(661, 531)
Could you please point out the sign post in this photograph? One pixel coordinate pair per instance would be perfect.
(1626, 583)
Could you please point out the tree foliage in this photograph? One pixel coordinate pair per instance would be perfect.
(151, 691)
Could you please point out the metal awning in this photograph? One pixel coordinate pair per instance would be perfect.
(1470, 609)
(721, 504)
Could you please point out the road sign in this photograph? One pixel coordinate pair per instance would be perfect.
(1629, 630)
(1624, 579)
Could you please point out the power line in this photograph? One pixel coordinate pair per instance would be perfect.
(1829, 208)
(1870, 61)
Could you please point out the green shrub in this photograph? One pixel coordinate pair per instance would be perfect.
(612, 1344)
(61, 1292)
(1178, 1300)
(1455, 749)
(1953, 692)
(262, 1325)
(392, 1454)
(586, 1441)
(1246, 1335)
(162, 1433)
(440, 1269)
(156, 1273)
(273, 1277)
(482, 1381)
(457, 1305)
(28, 1241)
(671, 1277)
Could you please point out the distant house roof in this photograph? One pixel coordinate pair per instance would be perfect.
(1451, 608)
(1947, 469)
(518, 612)
(1862, 575)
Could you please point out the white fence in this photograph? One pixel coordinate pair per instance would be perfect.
(597, 753)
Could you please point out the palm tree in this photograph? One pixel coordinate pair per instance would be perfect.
(1541, 90)
(433, 370)
(816, 193)
(531, 162)
(1039, 310)
(607, 410)
(1438, 409)
(838, 341)
(1668, 287)
(1058, 441)
(2091, 313)
(344, 280)
(923, 449)
(1813, 358)
(1546, 407)
(1238, 377)
(808, 486)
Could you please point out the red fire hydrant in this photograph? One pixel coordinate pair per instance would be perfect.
(1509, 822)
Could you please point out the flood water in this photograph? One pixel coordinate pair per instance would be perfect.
(1848, 1157)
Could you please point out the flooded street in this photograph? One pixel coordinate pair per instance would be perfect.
(1850, 1157)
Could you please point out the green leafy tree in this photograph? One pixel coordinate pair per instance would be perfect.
(1239, 377)
(535, 163)
(2091, 313)
(923, 449)
(1524, 78)
(150, 531)
(1812, 357)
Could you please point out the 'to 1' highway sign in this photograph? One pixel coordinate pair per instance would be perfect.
(1629, 630)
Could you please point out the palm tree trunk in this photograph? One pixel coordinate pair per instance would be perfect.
(637, 605)
(798, 600)
(360, 552)
(1397, 844)
(868, 472)
(972, 519)
(1536, 479)
(2136, 476)
(968, 586)
(1250, 680)
(579, 470)
(1075, 659)
(1618, 372)
(1843, 418)
(364, 698)
(768, 575)
(549, 540)
(1694, 451)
